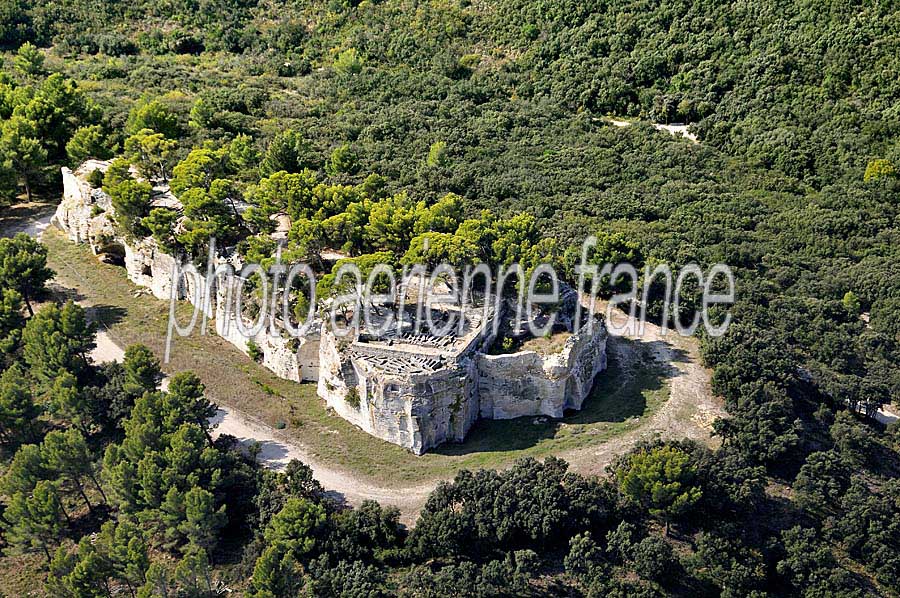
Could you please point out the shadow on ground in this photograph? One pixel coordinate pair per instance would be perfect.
(21, 216)
(106, 315)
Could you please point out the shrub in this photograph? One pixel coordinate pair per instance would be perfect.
(353, 398)
(254, 351)
(95, 178)
(653, 559)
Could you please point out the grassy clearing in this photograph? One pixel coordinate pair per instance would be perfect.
(547, 345)
(620, 402)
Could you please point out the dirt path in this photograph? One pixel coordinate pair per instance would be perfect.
(276, 451)
(674, 130)
(690, 409)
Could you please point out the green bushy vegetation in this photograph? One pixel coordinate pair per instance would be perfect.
(479, 127)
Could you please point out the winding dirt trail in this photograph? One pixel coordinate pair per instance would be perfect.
(275, 449)
(688, 412)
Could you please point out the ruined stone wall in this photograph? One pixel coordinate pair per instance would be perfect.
(84, 212)
(415, 407)
(417, 411)
(528, 383)
(294, 359)
(147, 265)
(85, 215)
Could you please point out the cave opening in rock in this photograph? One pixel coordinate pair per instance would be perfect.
(112, 253)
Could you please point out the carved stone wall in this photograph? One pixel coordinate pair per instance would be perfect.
(416, 396)
(85, 215)
(528, 383)
(394, 398)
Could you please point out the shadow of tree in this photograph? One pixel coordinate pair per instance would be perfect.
(106, 315)
(61, 293)
(18, 217)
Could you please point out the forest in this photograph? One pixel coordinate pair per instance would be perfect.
(483, 129)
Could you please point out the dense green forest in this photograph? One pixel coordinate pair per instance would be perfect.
(481, 127)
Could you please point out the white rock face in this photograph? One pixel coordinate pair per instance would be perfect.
(527, 383)
(388, 393)
(418, 392)
(399, 403)
(85, 214)
(149, 266)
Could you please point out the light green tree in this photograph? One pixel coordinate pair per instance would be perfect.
(851, 303)
(151, 153)
(343, 160)
(23, 267)
(348, 62)
(29, 60)
(662, 480)
(21, 150)
(87, 142)
(392, 222)
(444, 216)
(880, 169)
(153, 115)
(199, 169)
(437, 154)
(132, 201)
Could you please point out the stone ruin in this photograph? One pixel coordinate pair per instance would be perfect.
(404, 386)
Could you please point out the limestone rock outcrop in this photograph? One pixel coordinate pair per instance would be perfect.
(528, 383)
(405, 387)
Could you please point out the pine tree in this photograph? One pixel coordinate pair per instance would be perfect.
(202, 521)
(662, 480)
(142, 371)
(124, 546)
(34, 520)
(65, 400)
(193, 572)
(21, 150)
(17, 409)
(158, 584)
(67, 454)
(11, 320)
(29, 61)
(296, 525)
(57, 339)
(186, 401)
(23, 267)
(289, 152)
(86, 573)
(276, 573)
